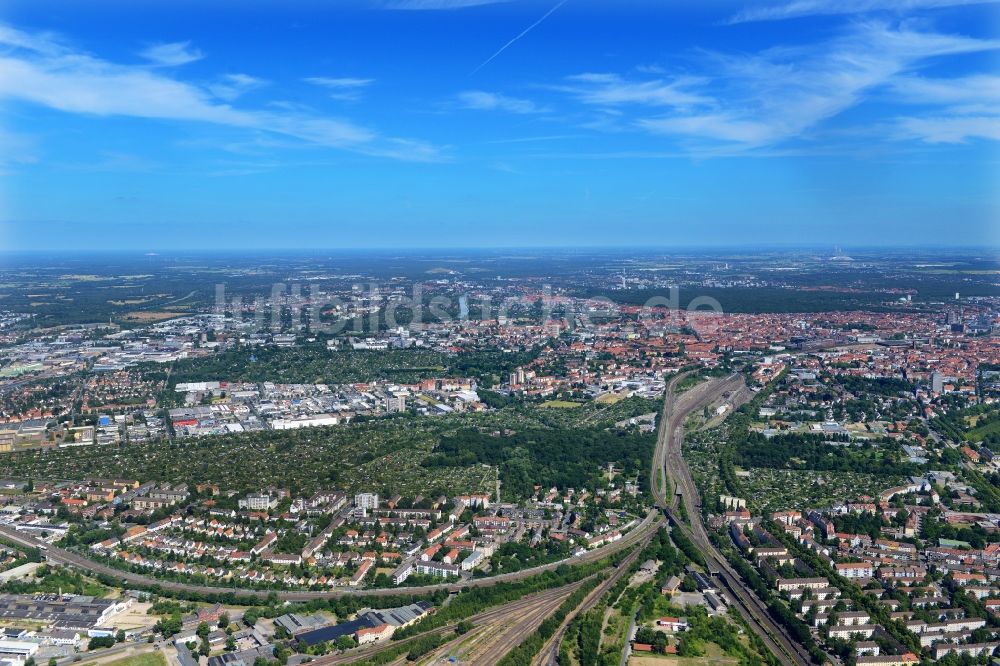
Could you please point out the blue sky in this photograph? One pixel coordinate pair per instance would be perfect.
(431, 123)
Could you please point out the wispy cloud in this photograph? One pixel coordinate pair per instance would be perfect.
(171, 54)
(800, 8)
(535, 139)
(39, 43)
(40, 70)
(487, 101)
(437, 5)
(338, 83)
(975, 89)
(342, 88)
(971, 108)
(613, 90)
(950, 129)
(782, 94)
(519, 35)
(716, 126)
(231, 86)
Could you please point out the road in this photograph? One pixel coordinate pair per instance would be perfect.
(57, 555)
(511, 623)
(669, 457)
(629, 635)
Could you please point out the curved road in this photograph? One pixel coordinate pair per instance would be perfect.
(57, 555)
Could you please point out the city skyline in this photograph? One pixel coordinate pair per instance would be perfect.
(470, 123)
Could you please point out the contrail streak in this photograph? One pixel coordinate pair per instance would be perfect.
(519, 36)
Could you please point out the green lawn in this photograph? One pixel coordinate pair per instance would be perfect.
(990, 426)
(561, 404)
(145, 659)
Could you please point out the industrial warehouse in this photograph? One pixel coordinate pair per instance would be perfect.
(76, 612)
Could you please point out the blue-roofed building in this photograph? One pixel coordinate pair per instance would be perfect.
(394, 617)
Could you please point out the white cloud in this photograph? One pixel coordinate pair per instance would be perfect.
(50, 75)
(171, 54)
(40, 43)
(81, 84)
(433, 5)
(613, 90)
(965, 90)
(486, 101)
(970, 108)
(955, 129)
(800, 8)
(231, 86)
(339, 83)
(784, 94)
(717, 126)
(342, 88)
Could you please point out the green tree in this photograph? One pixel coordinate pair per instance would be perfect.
(100, 642)
(170, 625)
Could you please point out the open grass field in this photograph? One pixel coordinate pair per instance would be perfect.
(131, 301)
(136, 617)
(145, 659)
(688, 383)
(609, 398)
(714, 656)
(990, 425)
(561, 404)
(147, 317)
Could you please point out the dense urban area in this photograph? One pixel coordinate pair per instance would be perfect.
(580, 459)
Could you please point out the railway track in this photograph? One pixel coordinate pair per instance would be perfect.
(549, 654)
(514, 609)
(669, 454)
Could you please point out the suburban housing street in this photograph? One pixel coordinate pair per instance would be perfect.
(56, 555)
